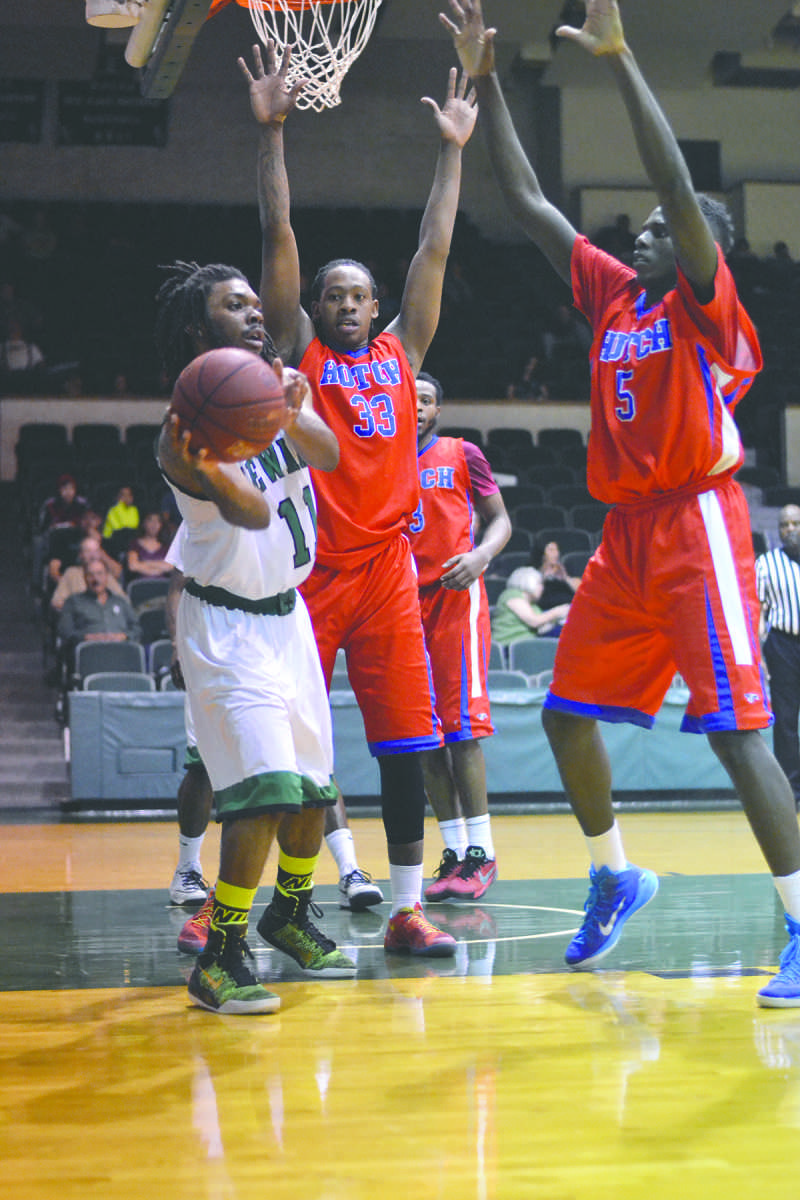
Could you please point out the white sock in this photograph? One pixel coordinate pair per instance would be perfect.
(340, 844)
(189, 851)
(479, 833)
(406, 886)
(788, 887)
(606, 850)
(454, 835)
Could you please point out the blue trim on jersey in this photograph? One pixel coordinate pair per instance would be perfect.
(464, 702)
(708, 385)
(713, 723)
(466, 737)
(725, 707)
(424, 449)
(404, 745)
(641, 311)
(600, 712)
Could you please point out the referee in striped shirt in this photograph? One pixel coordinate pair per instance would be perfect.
(778, 582)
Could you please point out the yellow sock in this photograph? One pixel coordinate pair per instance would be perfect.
(232, 906)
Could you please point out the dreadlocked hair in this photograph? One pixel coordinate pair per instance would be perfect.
(181, 305)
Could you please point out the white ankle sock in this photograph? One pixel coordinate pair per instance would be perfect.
(189, 851)
(454, 835)
(788, 888)
(406, 886)
(606, 850)
(340, 844)
(479, 833)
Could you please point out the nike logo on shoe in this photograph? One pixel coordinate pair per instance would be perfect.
(606, 929)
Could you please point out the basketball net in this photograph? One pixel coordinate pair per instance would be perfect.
(326, 37)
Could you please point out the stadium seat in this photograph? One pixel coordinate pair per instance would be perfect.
(118, 681)
(145, 591)
(91, 657)
(532, 655)
(536, 517)
(504, 680)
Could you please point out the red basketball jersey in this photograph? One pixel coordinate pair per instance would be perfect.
(449, 476)
(369, 400)
(665, 380)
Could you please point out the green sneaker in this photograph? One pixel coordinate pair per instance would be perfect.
(222, 982)
(316, 954)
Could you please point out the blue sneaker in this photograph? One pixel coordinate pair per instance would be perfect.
(783, 990)
(613, 897)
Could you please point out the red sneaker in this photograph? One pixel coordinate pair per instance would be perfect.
(442, 876)
(475, 875)
(194, 935)
(410, 932)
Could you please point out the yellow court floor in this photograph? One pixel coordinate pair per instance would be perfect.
(498, 1073)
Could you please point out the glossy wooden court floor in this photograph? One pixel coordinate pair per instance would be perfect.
(496, 1074)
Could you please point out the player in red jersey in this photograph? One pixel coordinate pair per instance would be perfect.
(456, 483)
(362, 594)
(671, 586)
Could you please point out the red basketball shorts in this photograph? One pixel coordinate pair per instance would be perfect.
(372, 611)
(671, 589)
(458, 637)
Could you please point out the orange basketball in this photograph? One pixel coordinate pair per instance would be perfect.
(232, 402)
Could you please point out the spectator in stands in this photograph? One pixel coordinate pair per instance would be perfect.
(780, 267)
(617, 239)
(778, 584)
(518, 613)
(95, 615)
(531, 384)
(566, 353)
(558, 586)
(21, 361)
(73, 579)
(66, 507)
(123, 513)
(146, 558)
(65, 550)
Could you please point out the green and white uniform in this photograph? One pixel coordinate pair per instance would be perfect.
(257, 705)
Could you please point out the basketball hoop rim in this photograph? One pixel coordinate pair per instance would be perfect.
(298, 5)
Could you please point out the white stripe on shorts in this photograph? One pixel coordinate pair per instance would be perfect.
(474, 613)
(727, 580)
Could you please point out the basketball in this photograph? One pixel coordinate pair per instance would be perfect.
(232, 402)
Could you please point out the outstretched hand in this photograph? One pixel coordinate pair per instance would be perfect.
(456, 120)
(295, 390)
(271, 97)
(602, 30)
(474, 43)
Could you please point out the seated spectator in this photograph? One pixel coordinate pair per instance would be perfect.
(21, 361)
(617, 239)
(66, 507)
(65, 550)
(558, 587)
(95, 614)
(146, 552)
(566, 343)
(72, 581)
(531, 384)
(518, 613)
(123, 514)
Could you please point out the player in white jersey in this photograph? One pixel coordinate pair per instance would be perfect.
(257, 697)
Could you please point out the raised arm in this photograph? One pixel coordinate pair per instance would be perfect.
(602, 35)
(542, 221)
(271, 100)
(416, 322)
